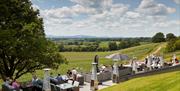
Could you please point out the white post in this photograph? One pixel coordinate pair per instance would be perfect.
(115, 72)
(161, 61)
(174, 59)
(134, 66)
(149, 62)
(46, 81)
(94, 80)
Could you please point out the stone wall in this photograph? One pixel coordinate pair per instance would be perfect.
(152, 72)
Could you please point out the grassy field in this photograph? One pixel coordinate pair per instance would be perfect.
(103, 44)
(82, 60)
(161, 82)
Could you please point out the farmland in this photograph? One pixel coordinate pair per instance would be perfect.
(82, 60)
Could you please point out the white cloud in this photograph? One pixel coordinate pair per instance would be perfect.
(56, 13)
(103, 18)
(177, 1)
(151, 7)
(67, 12)
(84, 2)
(131, 14)
(100, 5)
(119, 9)
(81, 9)
(35, 7)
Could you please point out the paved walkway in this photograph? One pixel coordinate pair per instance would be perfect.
(86, 86)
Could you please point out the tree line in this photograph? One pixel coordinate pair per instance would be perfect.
(173, 42)
(95, 46)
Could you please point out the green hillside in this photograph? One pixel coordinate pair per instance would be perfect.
(82, 60)
(161, 82)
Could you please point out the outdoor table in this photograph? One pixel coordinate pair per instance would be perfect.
(65, 86)
(64, 77)
(27, 87)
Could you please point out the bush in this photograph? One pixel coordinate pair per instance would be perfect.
(127, 44)
(170, 36)
(158, 37)
(112, 46)
(177, 44)
(173, 45)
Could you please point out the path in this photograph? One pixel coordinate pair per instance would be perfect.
(106, 84)
(157, 50)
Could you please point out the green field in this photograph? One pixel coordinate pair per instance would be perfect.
(161, 82)
(82, 60)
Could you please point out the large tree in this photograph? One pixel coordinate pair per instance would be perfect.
(158, 37)
(170, 36)
(23, 46)
(112, 46)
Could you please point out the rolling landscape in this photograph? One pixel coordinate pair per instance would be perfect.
(82, 60)
(89, 45)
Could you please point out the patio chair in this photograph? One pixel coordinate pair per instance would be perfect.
(54, 87)
(81, 80)
(76, 84)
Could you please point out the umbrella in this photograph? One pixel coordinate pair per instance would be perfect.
(117, 56)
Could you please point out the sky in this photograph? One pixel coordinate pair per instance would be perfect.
(109, 18)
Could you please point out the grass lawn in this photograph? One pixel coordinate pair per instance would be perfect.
(161, 82)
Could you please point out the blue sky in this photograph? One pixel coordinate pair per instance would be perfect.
(109, 18)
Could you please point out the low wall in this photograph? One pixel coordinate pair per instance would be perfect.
(127, 74)
(154, 72)
(105, 76)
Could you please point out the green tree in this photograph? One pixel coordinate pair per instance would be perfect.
(170, 47)
(170, 36)
(112, 46)
(61, 47)
(158, 37)
(23, 46)
(177, 44)
(123, 44)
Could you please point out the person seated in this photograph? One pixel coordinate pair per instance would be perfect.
(37, 84)
(74, 74)
(146, 60)
(176, 61)
(159, 65)
(69, 74)
(103, 68)
(8, 83)
(15, 85)
(52, 79)
(60, 79)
